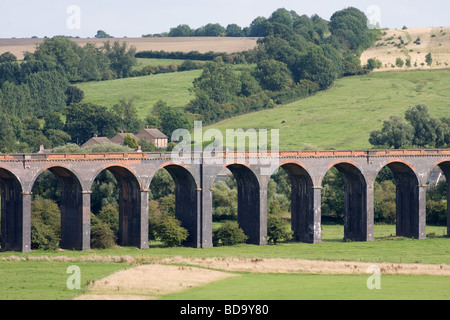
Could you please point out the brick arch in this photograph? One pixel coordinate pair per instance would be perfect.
(71, 205)
(409, 215)
(132, 225)
(249, 203)
(186, 199)
(120, 169)
(444, 165)
(302, 201)
(12, 215)
(357, 219)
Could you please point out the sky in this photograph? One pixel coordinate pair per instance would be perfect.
(133, 18)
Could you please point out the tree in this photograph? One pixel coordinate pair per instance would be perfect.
(122, 59)
(45, 224)
(86, 119)
(183, 30)
(211, 30)
(316, 67)
(61, 51)
(229, 234)
(94, 64)
(257, 28)
(74, 95)
(130, 142)
(427, 130)
(349, 26)
(127, 113)
(102, 236)
(396, 133)
(173, 119)
(429, 59)
(273, 75)
(233, 30)
(7, 57)
(278, 230)
(170, 231)
(47, 91)
(219, 82)
(282, 16)
(102, 35)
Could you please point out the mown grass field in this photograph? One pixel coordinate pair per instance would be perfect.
(46, 280)
(146, 91)
(318, 287)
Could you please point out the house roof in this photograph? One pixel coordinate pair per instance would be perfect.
(152, 133)
(120, 137)
(96, 141)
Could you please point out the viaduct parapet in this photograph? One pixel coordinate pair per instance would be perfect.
(194, 175)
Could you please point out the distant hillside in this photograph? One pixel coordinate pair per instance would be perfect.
(414, 44)
(343, 116)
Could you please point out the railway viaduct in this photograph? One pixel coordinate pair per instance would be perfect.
(194, 175)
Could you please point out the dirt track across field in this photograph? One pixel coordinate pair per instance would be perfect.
(200, 44)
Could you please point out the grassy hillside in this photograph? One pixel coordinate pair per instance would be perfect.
(146, 91)
(344, 116)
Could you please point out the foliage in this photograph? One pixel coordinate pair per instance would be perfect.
(429, 59)
(130, 142)
(102, 35)
(170, 231)
(374, 63)
(169, 118)
(384, 202)
(74, 95)
(122, 59)
(86, 119)
(273, 75)
(396, 133)
(420, 129)
(219, 82)
(45, 225)
(102, 237)
(228, 234)
(225, 200)
(127, 114)
(278, 229)
(333, 197)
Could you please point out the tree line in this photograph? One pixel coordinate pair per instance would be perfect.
(296, 56)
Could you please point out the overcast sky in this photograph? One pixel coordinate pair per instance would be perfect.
(132, 18)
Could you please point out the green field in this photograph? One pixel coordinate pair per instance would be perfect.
(342, 117)
(46, 280)
(318, 287)
(339, 118)
(146, 91)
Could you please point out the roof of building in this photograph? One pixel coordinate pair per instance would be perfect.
(120, 137)
(152, 133)
(96, 141)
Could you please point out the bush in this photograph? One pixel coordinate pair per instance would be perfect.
(170, 231)
(109, 215)
(229, 234)
(437, 212)
(278, 229)
(102, 237)
(45, 225)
